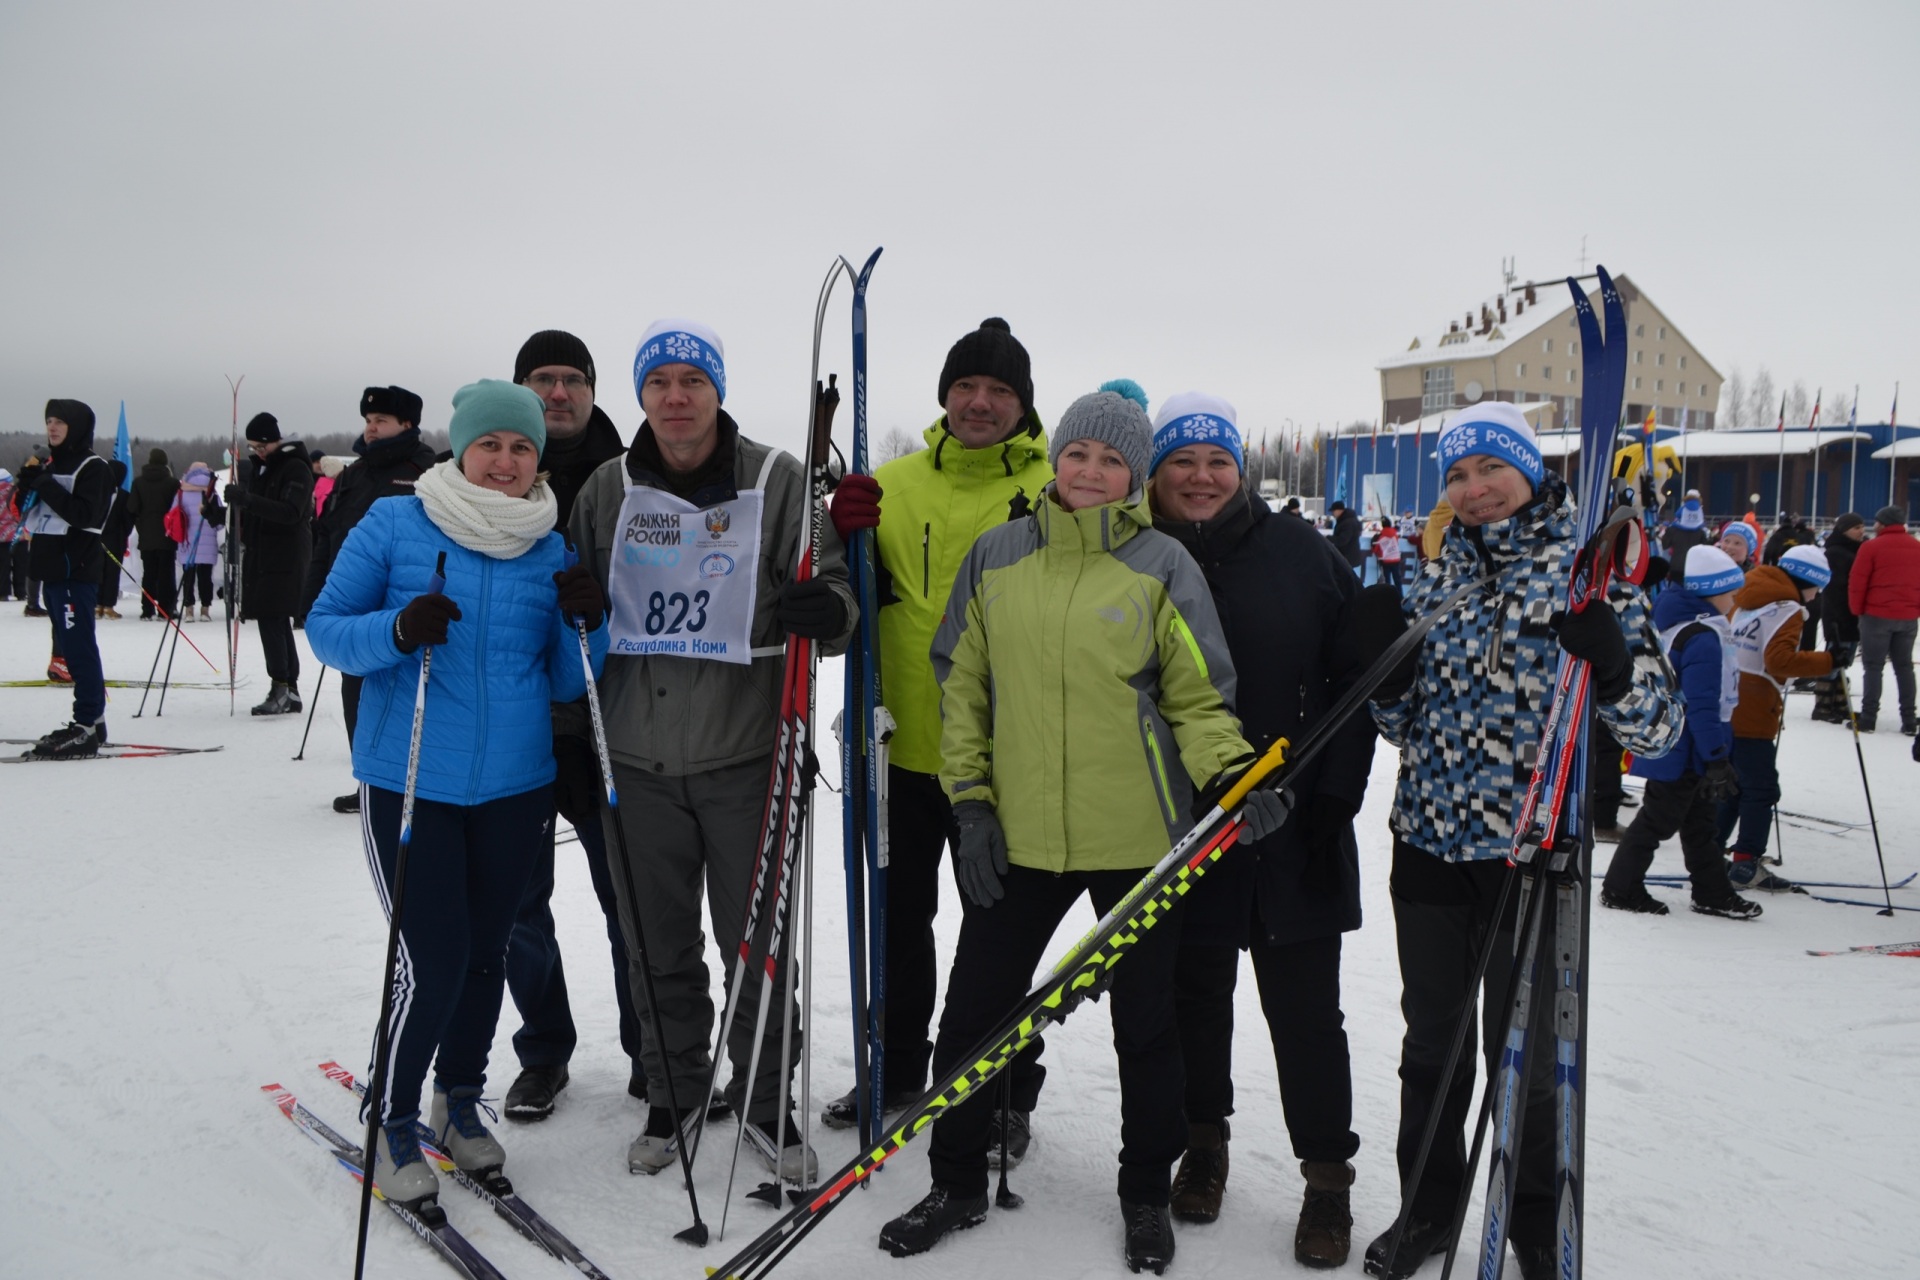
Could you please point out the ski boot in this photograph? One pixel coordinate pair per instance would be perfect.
(463, 1136)
(939, 1212)
(1202, 1177)
(1642, 903)
(1019, 1138)
(844, 1111)
(653, 1151)
(1149, 1237)
(350, 803)
(400, 1170)
(57, 670)
(1752, 873)
(796, 1162)
(283, 699)
(1731, 907)
(74, 742)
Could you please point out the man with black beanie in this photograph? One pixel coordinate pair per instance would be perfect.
(985, 464)
(391, 456)
(556, 366)
(63, 505)
(153, 495)
(275, 507)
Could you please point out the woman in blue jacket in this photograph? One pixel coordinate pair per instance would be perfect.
(504, 648)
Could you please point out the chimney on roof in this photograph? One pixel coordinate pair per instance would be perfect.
(1530, 298)
(1469, 320)
(1503, 308)
(1486, 318)
(1453, 326)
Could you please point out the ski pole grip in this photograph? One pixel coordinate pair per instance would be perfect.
(438, 582)
(1274, 757)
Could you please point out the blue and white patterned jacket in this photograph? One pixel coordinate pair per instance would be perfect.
(1470, 725)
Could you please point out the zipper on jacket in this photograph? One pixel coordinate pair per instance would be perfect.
(926, 560)
(1159, 769)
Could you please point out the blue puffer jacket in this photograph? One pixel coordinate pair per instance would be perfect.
(1698, 643)
(488, 730)
(1469, 725)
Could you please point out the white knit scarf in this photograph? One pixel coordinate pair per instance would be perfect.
(486, 520)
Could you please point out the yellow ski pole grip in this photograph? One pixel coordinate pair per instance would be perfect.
(1266, 764)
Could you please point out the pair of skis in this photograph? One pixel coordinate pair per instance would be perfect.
(1085, 970)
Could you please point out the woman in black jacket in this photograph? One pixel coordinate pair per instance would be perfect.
(1839, 625)
(275, 508)
(1281, 590)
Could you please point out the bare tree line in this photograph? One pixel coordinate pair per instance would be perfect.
(1754, 401)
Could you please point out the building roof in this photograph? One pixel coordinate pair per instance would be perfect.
(1431, 424)
(1904, 447)
(1522, 320)
(1750, 444)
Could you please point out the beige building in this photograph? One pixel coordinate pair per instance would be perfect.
(1524, 345)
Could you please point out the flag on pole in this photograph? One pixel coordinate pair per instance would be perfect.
(123, 448)
(1781, 425)
(1813, 419)
(1853, 414)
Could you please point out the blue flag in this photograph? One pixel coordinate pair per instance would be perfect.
(123, 448)
(1340, 483)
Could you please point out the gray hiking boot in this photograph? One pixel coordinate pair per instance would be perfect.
(463, 1136)
(400, 1170)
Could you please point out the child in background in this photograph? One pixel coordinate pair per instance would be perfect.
(1766, 635)
(1684, 785)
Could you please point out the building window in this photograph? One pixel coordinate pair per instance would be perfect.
(1573, 375)
(1639, 331)
(1573, 348)
(1683, 388)
(1659, 385)
(1660, 359)
(1683, 362)
(1547, 346)
(1663, 333)
(1436, 389)
(1637, 355)
(1636, 384)
(1520, 371)
(1546, 371)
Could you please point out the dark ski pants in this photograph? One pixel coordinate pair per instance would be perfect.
(1300, 996)
(993, 967)
(13, 571)
(1670, 808)
(686, 833)
(156, 579)
(1442, 912)
(350, 702)
(538, 980)
(276, 643)
(201, 574)
(919, 830)
(1603, 768)
(70, 605)
(466, 868)
(1881, 640)
(1755, 766)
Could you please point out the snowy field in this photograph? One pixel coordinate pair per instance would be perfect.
(178, 932)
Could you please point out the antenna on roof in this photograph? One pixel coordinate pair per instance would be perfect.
(1507, 276)
(1583, 255)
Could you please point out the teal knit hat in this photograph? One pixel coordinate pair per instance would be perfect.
(490, 405)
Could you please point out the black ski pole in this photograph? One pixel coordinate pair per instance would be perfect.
(1006, 1197)
(1872, 821)
(318, 682)
(697, 1233)
(377, 1085)
(150, 672)
(166, 677)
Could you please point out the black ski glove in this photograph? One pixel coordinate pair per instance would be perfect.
(812, 609)
(1720, 783)
(236, 496)
(576, 783)
(1843, 652)
(1324, 826)
(980, 860)
(1373, 621)
(424, 621)
(1594, 634)
(580, 595)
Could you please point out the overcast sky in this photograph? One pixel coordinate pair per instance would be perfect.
(1260, 200)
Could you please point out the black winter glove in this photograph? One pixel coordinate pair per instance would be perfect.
(980, 861)
(580, 595)
(235, 495)
(1594, 634)
(1843, 652)
(1324, 826)
(1720, 783)
(1373, 621)
(424, 621)
(812, 609)
(576, 783)
(44, 482)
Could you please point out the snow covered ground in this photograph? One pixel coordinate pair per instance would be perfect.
(178, 932)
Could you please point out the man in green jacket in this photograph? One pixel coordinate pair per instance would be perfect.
(985, 464)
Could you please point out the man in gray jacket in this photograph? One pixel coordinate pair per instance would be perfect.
(696, 535)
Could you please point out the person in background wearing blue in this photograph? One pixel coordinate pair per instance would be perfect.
(1685, 786)
(504, 649)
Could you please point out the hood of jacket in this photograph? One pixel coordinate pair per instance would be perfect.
(1676, 605)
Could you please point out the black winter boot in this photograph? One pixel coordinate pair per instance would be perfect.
(1421, 1241)
(1325, 1234)
(939, 1212)
(282, 699)
(1149, 1237)
(1202, 1177)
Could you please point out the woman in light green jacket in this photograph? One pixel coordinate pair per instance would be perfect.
(1085, 696)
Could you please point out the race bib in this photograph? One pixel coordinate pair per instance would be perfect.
(683, 578)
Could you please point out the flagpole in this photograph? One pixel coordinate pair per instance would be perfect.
(1853, 429)
(1813, 461)
(1780, 471)
(1893, 431)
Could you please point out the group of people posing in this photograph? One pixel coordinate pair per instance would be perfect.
(1087, 634)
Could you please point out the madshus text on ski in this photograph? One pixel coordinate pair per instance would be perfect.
(1085, 661)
